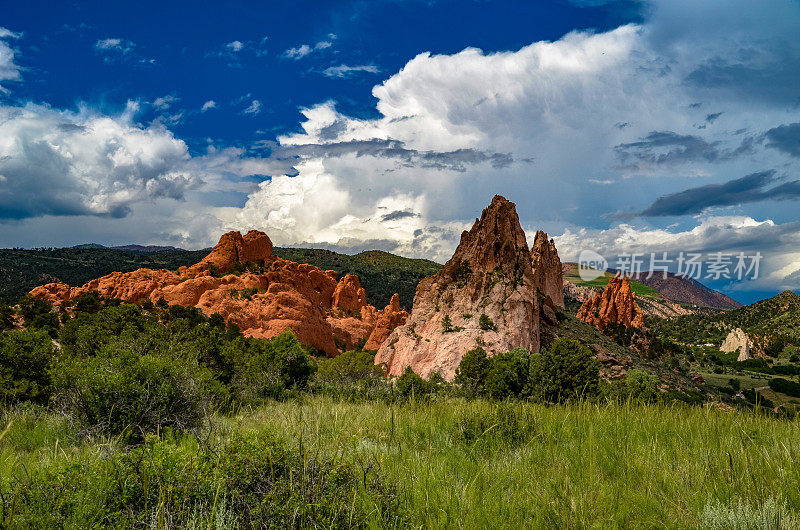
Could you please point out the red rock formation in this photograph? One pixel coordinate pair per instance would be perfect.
(232, 248)
(349, 297)
(322, 312)
(616, 304)
(547, 269)
(490, 274)
(387, 320)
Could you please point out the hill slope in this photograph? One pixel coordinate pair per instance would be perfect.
(381, 273)
(779, 315)
(686, 290)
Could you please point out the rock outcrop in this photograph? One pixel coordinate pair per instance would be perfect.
(485, 295)
(268, 296)
(387, 320)
(547, 277)
(616, 305)
(737, 341)
(232, 248)
(547, 269)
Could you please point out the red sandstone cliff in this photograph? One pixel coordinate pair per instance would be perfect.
(273, 295)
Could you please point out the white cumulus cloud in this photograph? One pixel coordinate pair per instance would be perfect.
(70, 163)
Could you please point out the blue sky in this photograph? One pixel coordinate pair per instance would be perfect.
(235, 52)
(618, 126)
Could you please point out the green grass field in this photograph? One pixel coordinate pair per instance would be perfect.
(460, 464)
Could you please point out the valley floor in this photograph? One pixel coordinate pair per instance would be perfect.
(452, 463)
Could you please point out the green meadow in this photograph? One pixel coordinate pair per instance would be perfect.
(439, 463)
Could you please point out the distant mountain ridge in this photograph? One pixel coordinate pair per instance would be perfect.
(144, 249)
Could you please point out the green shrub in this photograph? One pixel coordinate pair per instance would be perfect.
(565, 371)
(119, 392)
(6, 317)
(412, 385)
(265, 369)
(25, 359)
(508, 374)
(447, 325)
(89, 302)
(486, 323)
(637, 385)
(348, 367)
(757, 398)
(472, 372)
(38, 314)
(352, 376)
(784, 386)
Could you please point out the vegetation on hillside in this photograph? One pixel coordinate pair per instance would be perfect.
(600, 283)
(382, 274)
(777, 317)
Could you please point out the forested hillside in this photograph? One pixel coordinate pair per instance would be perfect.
(381, 273)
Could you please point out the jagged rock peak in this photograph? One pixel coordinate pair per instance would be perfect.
(484, 295)
(616, 304)
(547, 270)
(495, 241)
(233, 248)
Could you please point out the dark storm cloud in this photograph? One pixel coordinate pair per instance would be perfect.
(668, 147)
(785, 138)
(457, 160)
(750, 188)
(711, 117)
(398, 214)
(772, 77)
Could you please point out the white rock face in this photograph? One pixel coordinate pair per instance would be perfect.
(737, 340)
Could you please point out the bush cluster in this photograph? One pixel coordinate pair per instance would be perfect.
(567, 370)
(124, 371)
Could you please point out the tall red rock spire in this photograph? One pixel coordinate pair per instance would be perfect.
(483, 296)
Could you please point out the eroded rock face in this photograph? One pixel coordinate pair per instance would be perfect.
(616, 304)
(547, 270)
(349, 297)
(387, 320)
(490, 274)
(737, 341)
(232, 248)
(327, 314)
